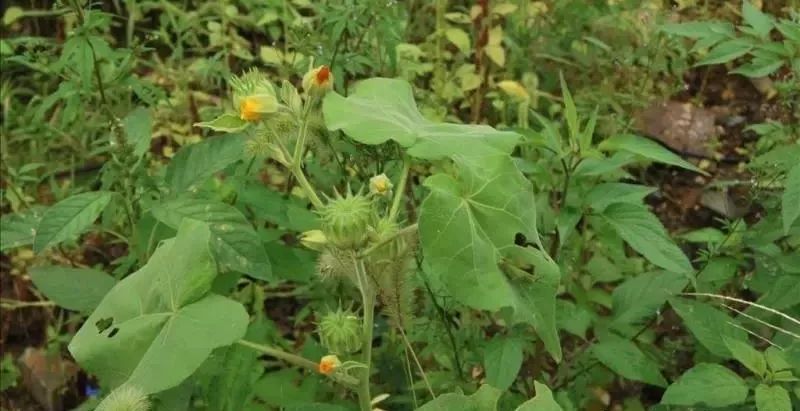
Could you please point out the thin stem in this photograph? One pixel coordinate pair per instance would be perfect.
(306, 186)
(404, 231)
(419, 366)
(368, 300)
(739, 300)
(281, 355)
(9, 304)
(401, 188)
(760, 321)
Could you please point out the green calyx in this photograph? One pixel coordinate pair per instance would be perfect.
(396, 247)
(346, 221)
(340, 332)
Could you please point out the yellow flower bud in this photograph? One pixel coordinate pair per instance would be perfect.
(318, 79)
(251, 108)
(380, 185)
(514, 90)
(314, 240)
(328, 364)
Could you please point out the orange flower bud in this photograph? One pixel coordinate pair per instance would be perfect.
(319, 78)
(328, 364)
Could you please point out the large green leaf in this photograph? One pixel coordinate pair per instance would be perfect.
(710, 385)
(761, 22)
(138, 126)
(158, 325)
(641, 296)
(19, 229)
(69, 218)
(751, 358)
(382, 109)
(709, 325)
(234, 241)
(646, 148)
(194, 164)
(485, 399)
(726, 51)
(790, 201)
(645, 234)
(626, 359)
(466, 227)
(79, 289)
(543, 401)
(772, 398)
(502, 361)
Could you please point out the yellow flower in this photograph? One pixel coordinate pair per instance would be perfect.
(380, 185)
(514, 90)
(319, 78)
(328, 364)
(252, 108)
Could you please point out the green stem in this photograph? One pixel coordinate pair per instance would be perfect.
(296, 166)
(401, 188)
(368, 300)
(404, 231)
(281, 355)
(306, 186)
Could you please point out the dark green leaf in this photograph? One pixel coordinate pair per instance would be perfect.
(226, 123)
(760, 22)
(648, 149)
(790, 201)
(643, 295)
(726, 51)
(624, 358)
(709, 385)
(69, 218)
(645, 234)
(709, 325)
(543, 401)
(19, 229)
(601, 195)
(234, 241)
(194, 164)
(138, 126)
(78, 289)
(502, 360)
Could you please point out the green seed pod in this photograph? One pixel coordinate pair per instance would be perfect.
(125, 398)
(332, 264)
(395, 248)
(346, 221)
(340, 332)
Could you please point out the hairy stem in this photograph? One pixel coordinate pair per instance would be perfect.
(400, 191)
(404, 231)
(368, 300)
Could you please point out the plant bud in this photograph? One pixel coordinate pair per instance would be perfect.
(314, 240)
(345, 221)
(340, 332)
(253, 96)
(393, 249)
(319, 79)
(125, 398)
(380, 185)
(328, 364)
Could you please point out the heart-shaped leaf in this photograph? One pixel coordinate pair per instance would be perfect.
(382, 109)
(158, 325)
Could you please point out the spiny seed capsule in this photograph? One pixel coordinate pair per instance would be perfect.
(345, 220)
(125, 398)
(253, 95)
(381, 231)
(340, 332)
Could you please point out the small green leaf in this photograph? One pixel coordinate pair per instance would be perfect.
(709, 385)
(749, 357)
(485, 399)
(138, 126)
(234, 241)
(700, 29)
(709, 325)
(78, 289)
(602, 195)
(645, 234)
(19, 229)
(543, 401)
(163, 320)
(726, 51)
(502, 361)
(460, 39)
(626, 359)
(69, 218)
(226, 123)
(772, 398)
(643, 295)
(570, 113)
(194, 164)
(790, 201)
(760, 22)
(759, 68)
(648, 149)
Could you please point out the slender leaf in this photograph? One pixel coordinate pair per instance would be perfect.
(502, 361)
(69, 218)
(194, 164)
(648, 149)
(709, 325)
(709, 385)
(624, 358)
